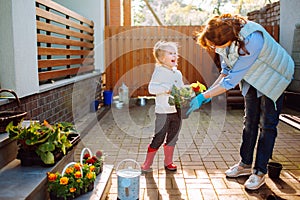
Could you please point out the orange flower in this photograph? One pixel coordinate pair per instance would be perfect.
(90, 175)
(72, 189)
(64, 181)
(92, 168)
(69, 170)
(77, 174)
(77, 166)
(52, 177)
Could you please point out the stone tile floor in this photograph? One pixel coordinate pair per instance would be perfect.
(208, 145)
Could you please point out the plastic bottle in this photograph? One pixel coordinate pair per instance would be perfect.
(123, 94)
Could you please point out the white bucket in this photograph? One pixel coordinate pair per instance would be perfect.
(128, 180)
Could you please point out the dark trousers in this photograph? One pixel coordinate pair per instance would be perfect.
(167, 127)
(260, 114)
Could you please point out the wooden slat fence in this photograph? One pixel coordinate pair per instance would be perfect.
(64, 41)
(129, 59)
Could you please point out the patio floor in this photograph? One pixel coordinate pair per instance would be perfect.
(208, 145)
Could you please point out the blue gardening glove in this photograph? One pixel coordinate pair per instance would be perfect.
(207, 100)
(196, 103)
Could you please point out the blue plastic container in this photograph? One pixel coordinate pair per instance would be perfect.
(108, 97)
(94, 106)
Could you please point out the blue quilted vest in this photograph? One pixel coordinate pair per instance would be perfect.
(273, 70)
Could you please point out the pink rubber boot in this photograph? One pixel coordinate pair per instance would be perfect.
(169, 150)
(146, 167)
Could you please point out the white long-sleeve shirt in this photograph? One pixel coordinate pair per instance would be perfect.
(161, 83)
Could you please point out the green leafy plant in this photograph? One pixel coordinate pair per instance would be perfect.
(180, 96)
(42, 138)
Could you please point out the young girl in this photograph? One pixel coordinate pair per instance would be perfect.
(167, 122)
(264, 69)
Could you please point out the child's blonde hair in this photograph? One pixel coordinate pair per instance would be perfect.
(161, 46)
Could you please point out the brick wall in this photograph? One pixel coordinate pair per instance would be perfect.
(67, 103)
(268, 15)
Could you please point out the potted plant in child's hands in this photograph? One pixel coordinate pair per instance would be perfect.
(181, 97)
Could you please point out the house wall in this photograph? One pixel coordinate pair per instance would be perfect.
(284, 13)
(67, 103)
(18, 53)
(65, 100)
(289, 17)
(268, 15)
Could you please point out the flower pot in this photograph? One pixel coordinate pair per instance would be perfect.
(28, 156)
(54, 197)
(90, 187)
(274, 169)
(182, 112)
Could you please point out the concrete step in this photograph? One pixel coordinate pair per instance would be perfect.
(19, 182)
(30, 182)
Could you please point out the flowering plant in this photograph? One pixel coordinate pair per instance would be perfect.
(73, 181)
(95, 160)
(180, 97)
(198, 87)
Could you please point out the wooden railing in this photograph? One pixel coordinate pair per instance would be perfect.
(129, 59)
(64, 41)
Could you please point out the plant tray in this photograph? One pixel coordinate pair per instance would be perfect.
(30, 158)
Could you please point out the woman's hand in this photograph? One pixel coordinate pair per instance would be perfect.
(197, 102)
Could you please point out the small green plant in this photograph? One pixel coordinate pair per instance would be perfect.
(43, 138)
(180, 96)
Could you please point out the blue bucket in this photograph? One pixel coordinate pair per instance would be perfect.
(108, 97)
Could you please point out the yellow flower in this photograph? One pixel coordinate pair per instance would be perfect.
(77, 174)
(90, 175)
(198, 87)
(64, 181)
(92, 168)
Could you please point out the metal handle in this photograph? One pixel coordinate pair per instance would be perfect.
(82, 154)
(125, 160)
(13, 93)
(65, 168)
